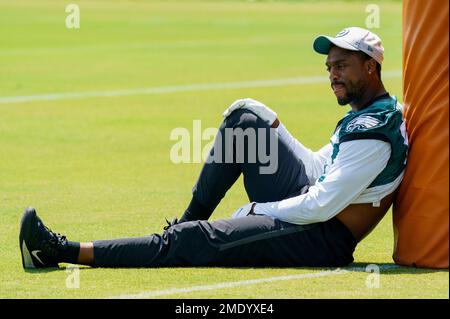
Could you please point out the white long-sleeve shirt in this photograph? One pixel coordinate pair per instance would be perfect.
(346, 180)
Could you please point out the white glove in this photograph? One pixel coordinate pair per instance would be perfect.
(264, 112)
(243, 211)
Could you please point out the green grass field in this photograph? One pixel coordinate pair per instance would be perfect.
(98, 167)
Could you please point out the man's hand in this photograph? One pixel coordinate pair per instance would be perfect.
(264, 112)
(244, 210)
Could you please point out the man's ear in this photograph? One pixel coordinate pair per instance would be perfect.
(371, 66)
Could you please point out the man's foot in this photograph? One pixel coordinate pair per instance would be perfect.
(39, 246)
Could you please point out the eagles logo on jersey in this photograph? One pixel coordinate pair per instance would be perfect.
(381, 120)
(362, 123)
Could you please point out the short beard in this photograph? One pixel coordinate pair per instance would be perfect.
(354, 93)
(344, 101)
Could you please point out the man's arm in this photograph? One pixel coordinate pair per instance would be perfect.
(313, 161)
(358, 163)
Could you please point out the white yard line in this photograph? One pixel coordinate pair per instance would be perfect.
(233, 284)
(175, 89)
(109, 47)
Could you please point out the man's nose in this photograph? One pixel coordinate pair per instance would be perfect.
(333, 75)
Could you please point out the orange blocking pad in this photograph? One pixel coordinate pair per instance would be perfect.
(421, 209)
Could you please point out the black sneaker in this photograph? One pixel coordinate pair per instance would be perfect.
(39, 246)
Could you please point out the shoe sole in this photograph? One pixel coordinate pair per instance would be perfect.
(25, 224)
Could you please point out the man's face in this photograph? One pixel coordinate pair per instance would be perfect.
(348, 75)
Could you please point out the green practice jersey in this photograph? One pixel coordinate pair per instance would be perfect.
(382, 120)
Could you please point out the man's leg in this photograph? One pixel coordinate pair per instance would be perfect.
(86, 254)
(252, 241)
(217, 177)
(248, 241)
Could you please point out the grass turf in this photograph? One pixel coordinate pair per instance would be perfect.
(98, 168)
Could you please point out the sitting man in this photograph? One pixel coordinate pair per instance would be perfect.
(312, 211)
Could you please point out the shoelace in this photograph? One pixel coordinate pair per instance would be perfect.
(55, 242)
(171, 223)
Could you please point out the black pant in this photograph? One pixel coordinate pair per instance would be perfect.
(216, 178)
(248, 241)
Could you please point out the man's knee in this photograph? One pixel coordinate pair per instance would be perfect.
(244, 118)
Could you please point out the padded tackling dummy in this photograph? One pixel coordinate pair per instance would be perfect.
(421, 208)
